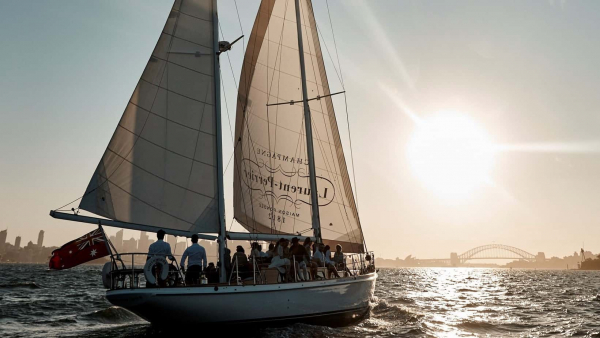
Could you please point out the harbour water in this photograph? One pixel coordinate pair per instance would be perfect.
(412, 302)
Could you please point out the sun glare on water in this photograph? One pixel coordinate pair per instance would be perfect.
(451, 155)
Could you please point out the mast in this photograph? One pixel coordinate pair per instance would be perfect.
(221, 198)
(316, 221)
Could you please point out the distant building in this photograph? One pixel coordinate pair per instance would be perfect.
(118, 243)
(40, 241)
(179, 249)
(129, 245)
(540, 257)
(143, 243)
(3, 235)
(454, 260)
(18, 242)
(172, 240)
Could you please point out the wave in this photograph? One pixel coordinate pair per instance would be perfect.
(384, 310)
(475, 325)
(112, 315)
(25, 285)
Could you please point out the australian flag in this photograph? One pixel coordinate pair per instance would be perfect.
(88, 247)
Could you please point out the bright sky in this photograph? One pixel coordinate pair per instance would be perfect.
(472, 122)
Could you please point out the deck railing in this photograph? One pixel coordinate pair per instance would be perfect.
(126, 273)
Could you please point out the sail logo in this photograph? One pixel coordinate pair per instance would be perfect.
(281, 185)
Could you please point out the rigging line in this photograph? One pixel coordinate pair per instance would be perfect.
(279, 55)
(330, 58)
(143, 125)
(347, 117)
(325, 85)
(345, 103)
(268, 93)
(337, 54)
(269, 130)
(228, 59)
(245, 121)
(351, 152)
(241, 29)
(227, 107)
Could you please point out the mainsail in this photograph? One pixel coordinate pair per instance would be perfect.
(271, 183)
(160, 167)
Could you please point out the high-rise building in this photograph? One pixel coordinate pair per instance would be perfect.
(40, 238)
(118, 243)
(143, 242)
(18, 242)
(172, 240)
(3, 235)
(129, 245)
(179, 249)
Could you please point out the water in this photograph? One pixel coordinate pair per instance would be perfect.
(408, 302)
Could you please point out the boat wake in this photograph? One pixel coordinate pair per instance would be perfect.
(112, 315)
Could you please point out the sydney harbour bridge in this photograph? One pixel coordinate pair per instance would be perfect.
(487, 252)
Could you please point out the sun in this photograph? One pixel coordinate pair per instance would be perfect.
(451, 155)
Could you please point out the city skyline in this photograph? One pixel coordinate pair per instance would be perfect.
(522, 91)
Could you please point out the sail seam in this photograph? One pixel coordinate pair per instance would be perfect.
(282, 127)
(193, 16)
(292, 75)
(148, 204)
(170, 120)
(161, 178)
(182, 66)
(186, 40)
(172, 91)
(169, 150)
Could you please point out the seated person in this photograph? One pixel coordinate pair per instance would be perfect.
(300, 257)
(279, 260)
(263, 255)
(242, 260)
(270, 253)
(321, 260)
(211, 273)
(196, 256)
(339, 260)
(255, 254)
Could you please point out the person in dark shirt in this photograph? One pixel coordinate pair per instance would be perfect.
(300, 256)
(211, 273)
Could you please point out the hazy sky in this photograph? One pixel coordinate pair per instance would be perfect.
(473, 122)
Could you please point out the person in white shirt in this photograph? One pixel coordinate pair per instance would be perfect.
(196, 256)
(255, 253)
(262, 253)
(160, 247)
(322, 260)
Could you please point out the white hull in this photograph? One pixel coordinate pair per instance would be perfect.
(339, 299)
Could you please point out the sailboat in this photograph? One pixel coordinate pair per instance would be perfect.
(163, 169)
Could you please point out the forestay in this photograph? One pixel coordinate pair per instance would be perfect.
(271, 185)
(159, 168)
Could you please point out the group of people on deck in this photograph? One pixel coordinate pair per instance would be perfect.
(292, 261)
(295, 260)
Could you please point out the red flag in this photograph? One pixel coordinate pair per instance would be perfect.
(84, 249)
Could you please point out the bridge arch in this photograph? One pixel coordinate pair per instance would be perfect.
(495, 251)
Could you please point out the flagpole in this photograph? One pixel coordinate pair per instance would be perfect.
(109, 244)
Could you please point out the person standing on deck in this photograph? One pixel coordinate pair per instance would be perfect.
(196, 256)
(160, 247)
